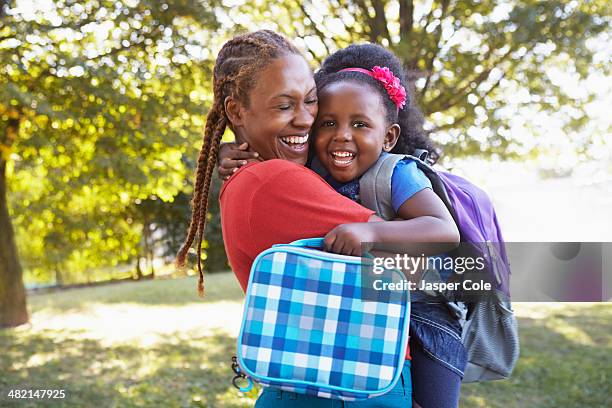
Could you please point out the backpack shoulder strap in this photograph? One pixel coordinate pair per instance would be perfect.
(375, 185)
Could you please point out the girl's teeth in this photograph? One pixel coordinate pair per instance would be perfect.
(343, 158)
(343, 154)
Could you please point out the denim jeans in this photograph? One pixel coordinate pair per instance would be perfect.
(436, 327)
(438, 331)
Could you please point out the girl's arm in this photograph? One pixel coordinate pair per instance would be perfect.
(233, 156)
(425, 220)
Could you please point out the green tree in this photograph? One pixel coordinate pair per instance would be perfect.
(165, 224)
(99, 101)
(466, 57)
(102, 104)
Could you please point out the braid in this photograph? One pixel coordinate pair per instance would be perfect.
(197, 189)
(237, 64)
(218, 133)
(196, 201)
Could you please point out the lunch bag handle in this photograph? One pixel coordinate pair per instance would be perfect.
(306, 242)
(317, 243)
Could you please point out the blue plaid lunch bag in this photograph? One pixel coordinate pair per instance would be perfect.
(307, 328)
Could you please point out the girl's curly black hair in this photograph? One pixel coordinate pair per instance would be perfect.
(367, 56)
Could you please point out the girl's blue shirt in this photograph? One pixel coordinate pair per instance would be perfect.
(407, 180)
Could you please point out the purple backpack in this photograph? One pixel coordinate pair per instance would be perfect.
(490, 331)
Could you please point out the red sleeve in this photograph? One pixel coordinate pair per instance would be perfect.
(297, 203)
(278, 202)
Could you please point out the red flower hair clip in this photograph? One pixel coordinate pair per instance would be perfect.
(392, 84)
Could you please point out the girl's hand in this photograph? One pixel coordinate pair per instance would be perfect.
(232, 156)
(348, 239)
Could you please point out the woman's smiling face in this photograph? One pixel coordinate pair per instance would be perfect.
(281, 109)
(351, 130)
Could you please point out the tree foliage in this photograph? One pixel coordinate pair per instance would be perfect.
(102, 103)
(468, 58)
(105, 98)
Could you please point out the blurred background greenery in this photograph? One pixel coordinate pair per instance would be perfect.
(102, 107)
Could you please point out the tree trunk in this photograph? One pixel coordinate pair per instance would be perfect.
(59, 279)
(138, 268)
(148, 246)
(13, 309)
(151, 259)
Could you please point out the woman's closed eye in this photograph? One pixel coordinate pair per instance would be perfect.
(287, 106)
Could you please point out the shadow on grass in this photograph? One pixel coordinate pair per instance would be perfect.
(162, 292)
(565, 357)
(565, 361)
(183, 371)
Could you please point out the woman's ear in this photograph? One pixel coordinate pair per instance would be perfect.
(233, 110)
(391, 137)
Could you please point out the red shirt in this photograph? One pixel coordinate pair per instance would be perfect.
(276, 202)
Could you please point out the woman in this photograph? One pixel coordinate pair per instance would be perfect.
(265, 92)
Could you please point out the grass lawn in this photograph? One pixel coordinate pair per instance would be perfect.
(155, 343)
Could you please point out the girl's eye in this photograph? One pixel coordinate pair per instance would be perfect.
(359, 124)
(328, 123)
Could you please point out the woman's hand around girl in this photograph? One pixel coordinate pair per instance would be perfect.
(232, 156)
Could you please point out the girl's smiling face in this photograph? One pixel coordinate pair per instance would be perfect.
(351, 129)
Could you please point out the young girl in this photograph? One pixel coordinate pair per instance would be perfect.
(365, 110)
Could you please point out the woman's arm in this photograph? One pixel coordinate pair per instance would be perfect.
(277, 202)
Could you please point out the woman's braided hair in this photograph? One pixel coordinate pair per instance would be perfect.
(366, 56)
(238, 62)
